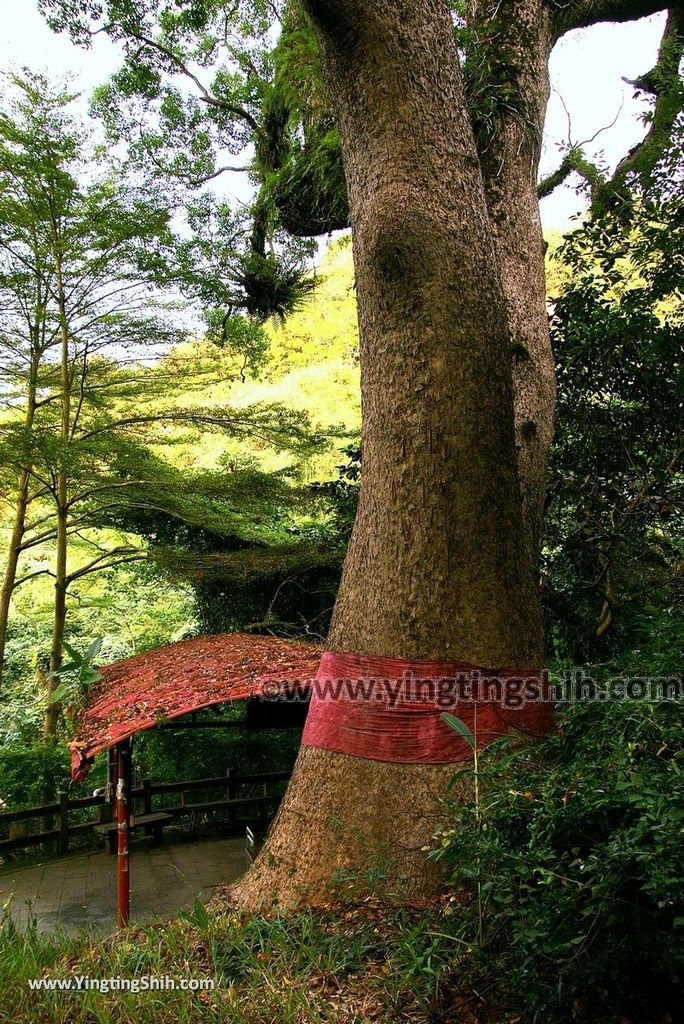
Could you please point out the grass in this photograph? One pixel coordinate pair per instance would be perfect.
(348, 963)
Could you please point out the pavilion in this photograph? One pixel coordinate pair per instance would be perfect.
(173, 681)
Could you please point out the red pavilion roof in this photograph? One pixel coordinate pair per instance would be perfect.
(140, 692)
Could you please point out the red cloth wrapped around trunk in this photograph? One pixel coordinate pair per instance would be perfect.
(389, 709)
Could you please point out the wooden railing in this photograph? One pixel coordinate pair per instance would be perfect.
(58, 829)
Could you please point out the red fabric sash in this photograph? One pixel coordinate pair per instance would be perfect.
(388, 709)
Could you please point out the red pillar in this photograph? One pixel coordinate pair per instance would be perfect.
(123, 810)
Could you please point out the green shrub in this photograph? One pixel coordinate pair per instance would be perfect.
(30, 775)
(578, 857)
(167, 755)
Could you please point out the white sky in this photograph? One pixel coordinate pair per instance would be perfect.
(586, 70)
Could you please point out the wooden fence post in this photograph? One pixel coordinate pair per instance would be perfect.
(231, 794)
(147, 802)
(17, 830)
(123, 812)
(63, 841)
(147, 796)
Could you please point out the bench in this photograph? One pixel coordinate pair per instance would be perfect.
(153, 823)
(254, 840)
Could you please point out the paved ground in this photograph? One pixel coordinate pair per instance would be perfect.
(79, 891)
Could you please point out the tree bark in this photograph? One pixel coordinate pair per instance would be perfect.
(14, 551)
(20, 509)
(515, 42)
(438, 565)
(61, 540)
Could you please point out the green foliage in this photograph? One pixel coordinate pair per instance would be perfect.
(272, 288)
(26, 953)
(161, 42)
(79, 253)
(82, 311)
(247, 581)
(168, 754)
(299, 158)
(178, 125)
(614, 539)
(491, 66)
(132, 607)
(577, 852)
(297, 72)
(30, 775)
(179, 473)
(199, 917)
(310, 190)
(77, 675)
(239, 273)
(461, 728)
(239, 333)
(305, 945)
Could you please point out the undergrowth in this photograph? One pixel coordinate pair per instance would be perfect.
(351, 962)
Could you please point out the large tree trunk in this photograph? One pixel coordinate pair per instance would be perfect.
(438, 566)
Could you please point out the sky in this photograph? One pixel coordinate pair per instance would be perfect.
(587, 67)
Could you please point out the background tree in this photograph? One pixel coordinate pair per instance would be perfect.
(614, 544)
(85, 253)
(84, 264)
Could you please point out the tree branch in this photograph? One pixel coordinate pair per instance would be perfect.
(100, 564)
(112, 485)
(205, 96)
(31, 576)
(574, 160)
(583, 13)
(663, 82)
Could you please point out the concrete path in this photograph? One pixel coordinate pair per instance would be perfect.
(79, 891)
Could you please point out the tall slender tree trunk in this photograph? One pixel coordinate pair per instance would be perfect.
(14, 550)
(61, 540)
(20, 509)
(438, 566)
